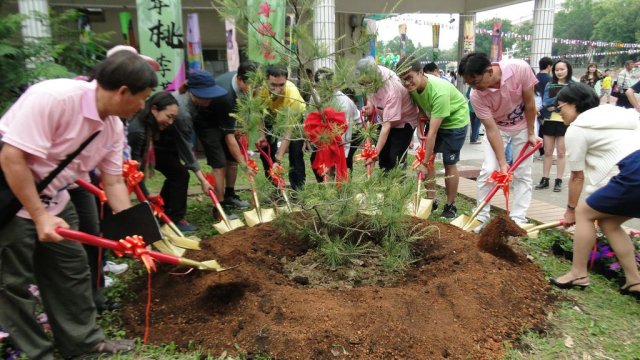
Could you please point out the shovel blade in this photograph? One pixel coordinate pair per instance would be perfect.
(462, 222)
(533, 234)
(211, 265)
(527, 226)
(177, 240)
(166, 247)
(424, 209)
(222, 227)
(252, 218)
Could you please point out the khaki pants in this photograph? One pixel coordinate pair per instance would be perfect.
(62, 274)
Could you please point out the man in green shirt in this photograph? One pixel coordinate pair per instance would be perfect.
(447, 109)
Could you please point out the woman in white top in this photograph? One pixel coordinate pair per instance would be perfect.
(598, 139)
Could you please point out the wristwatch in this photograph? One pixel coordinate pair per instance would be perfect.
(571, 207)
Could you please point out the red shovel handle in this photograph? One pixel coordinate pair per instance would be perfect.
(524, 154)
(99, 193)
(111, 244)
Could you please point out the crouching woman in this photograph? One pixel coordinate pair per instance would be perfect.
(598, 139)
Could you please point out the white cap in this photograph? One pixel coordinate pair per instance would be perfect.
(154, 64)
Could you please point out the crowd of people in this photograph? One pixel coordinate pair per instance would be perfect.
(55, 117)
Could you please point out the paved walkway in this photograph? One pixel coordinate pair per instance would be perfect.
(546, 205)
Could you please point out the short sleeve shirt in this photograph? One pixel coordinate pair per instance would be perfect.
(50, 121)
(506, 104)
(393, 103)
(291, 100)
(440, 99)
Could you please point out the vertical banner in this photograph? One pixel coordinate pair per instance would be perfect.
(402, 28)
(372, 32)
(233, 55)
(161, 37)
(266, 29)
(126, 27)
(469, 37)
(194, 45)
(496, 41)
(436, 35)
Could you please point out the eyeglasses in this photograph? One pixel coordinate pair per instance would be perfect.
(478, 80)
(558, 107)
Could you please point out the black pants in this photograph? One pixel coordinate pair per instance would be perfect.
(355, 143)
(395, 149)
(296, 161)
(174, 189)
(89, 222)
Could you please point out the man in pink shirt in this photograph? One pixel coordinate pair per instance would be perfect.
(391, 101)
(48, 122)
(503, 99)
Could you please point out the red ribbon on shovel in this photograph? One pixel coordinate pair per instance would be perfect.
(503, 180)
(368, 153)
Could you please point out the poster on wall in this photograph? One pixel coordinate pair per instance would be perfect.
(496, 41)
(194, 45)
(469, 37)
(161, 37)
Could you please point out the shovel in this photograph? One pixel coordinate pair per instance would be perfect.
(532, 232)
(421, 207)
(470, 222)
(138, 251)
(225, 225)
(275, 172)
(174, 236)
(258, 215)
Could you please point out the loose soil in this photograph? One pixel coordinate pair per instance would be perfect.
(456, 301)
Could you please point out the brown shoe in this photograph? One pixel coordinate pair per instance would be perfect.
(105, 348)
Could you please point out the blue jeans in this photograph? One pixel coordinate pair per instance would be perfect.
(475, 127)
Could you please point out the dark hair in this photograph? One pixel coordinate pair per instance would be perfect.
(125, 68)
(414, 65)
(545, 62)
(245, 69)
(161, 100)
(475, 63)
(579, 94)
(430, 67)
(569, 72)
(277, 71)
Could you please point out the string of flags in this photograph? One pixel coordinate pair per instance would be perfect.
(592, 43)
(603, 53)
(407, 19)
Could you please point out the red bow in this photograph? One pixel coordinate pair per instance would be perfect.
(368, 152)
(420, 155)
(157, 204)
(276, 172)
(503, 180)
(326, 134)
(132, 176)
(134, 246)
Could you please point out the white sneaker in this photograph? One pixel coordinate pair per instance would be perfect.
(114, 268)
(108, 281)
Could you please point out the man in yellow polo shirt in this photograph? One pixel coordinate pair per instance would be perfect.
(283, 96)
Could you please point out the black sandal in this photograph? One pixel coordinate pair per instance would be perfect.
(634, 293)
(569, 284)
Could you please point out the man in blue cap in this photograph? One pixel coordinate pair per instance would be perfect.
(197, 93)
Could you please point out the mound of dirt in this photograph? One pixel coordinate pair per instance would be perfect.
(494, 239)
(455, 302)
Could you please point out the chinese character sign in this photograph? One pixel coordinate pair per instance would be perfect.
(496, 41)
(161, 36)
(469, 36)
(266, 30)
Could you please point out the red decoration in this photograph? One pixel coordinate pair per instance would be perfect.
(326, 135)
(132, 176)
(266, 30)
(134, 246)
(503, 180)
(265, 9)
(276, 171)
(368, 152)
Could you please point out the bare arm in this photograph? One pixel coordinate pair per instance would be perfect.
(576, 182)
(22, 184)
(530, 113)
(631, 95)
(117, 192)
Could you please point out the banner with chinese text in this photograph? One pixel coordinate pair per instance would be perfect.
(194, 45)
(266, 29)
(161, 37)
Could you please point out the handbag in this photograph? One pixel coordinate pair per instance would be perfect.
(10, 205)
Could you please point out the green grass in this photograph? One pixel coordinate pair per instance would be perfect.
(597, 323)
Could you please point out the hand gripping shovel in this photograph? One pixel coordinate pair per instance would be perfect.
(469, 222)
(171, 233)
(258, 215)
(135, 247)
(226, 224)
(276, 172)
